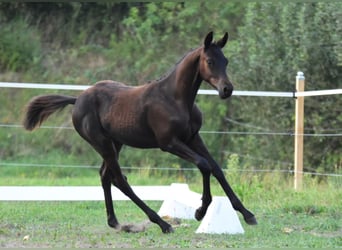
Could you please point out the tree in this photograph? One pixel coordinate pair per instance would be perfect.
(276, 41)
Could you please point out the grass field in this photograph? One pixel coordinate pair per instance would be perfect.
(310, 218)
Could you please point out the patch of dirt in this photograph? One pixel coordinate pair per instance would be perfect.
(134, 228)
(332, 234)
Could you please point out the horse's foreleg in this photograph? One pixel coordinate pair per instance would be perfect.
(186, 152)
(206, 195)
(198, 146)
(236, 203)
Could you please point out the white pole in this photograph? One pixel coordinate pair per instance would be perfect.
(299, 131)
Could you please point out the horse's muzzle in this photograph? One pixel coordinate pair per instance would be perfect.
(226, 91)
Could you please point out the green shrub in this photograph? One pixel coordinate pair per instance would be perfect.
(20, 46)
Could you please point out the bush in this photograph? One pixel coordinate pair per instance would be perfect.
(20, 46)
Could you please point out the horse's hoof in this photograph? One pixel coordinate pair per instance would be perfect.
(113, 223)
(251, 220)
(199, 214)
(168, 230)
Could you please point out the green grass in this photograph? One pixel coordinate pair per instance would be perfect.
(83, 224)
(310, 218)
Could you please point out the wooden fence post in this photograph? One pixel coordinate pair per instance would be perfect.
(299, 130)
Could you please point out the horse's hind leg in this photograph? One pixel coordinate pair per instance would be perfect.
(120, 182)
(108, 152)
(106, 185)
(88, 128)
(111, 172)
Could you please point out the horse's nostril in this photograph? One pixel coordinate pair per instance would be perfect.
(227, 90)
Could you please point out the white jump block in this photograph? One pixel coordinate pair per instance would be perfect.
(221, 218)
(181, 203)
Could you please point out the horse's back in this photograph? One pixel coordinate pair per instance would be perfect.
(118, 109)
(110, 83)
(130, 115)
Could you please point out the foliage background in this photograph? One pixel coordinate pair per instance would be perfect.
(81, 43)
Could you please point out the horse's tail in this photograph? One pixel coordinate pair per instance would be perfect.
(41, 107)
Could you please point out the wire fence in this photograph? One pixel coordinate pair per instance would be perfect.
(285, 133)
(164, 168)
(260, 132)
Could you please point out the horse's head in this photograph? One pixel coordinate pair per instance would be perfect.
(213, 65)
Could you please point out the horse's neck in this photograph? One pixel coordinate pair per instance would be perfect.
(187, 79)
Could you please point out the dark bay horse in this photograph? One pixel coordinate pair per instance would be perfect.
(161, 114)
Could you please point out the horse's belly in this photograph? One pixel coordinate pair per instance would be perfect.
(135, 138)
(128, 129)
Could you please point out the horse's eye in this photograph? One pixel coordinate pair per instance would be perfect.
(210, 62)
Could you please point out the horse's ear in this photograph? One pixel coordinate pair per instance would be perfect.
(221, 43)
(208, 39)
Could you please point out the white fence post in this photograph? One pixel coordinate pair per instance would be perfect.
(299, 130)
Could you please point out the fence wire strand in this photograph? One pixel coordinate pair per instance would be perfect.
(210, 132)
(163, 168)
